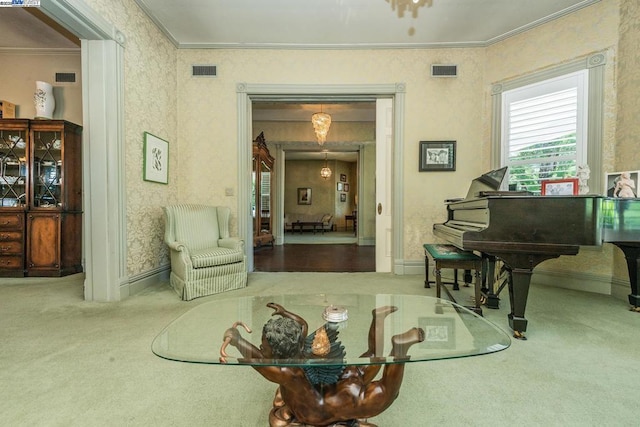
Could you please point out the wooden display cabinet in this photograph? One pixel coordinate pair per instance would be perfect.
(43, 159)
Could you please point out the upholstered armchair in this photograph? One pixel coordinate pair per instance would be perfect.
(205, 260)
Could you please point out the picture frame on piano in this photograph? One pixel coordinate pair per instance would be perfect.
(621, 184)
(559, 187)
(437, 156)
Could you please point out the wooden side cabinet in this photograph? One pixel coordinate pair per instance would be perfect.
(53, 248)
(41, 183)
(12, 244)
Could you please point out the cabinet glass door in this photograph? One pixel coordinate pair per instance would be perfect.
(13, 168)
(47, 164)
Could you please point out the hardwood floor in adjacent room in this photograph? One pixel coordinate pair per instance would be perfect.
(315, 258)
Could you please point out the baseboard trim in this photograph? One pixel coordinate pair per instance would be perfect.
(566, 279)
(620, 289)
(141, 281)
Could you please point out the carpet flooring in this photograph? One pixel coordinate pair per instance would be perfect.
(69, 362)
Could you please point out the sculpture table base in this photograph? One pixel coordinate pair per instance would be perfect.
(281, 416)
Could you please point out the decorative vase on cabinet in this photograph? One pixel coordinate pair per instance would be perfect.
(44, 101)
(50, 204)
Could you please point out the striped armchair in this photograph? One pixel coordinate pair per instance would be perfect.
(205, 260)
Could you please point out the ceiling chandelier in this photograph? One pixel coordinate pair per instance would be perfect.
(325, 172)
(403, 6)
(321, 122)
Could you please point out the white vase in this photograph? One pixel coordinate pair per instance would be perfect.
(44, 101)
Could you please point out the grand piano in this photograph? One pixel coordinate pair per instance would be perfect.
(523, 230)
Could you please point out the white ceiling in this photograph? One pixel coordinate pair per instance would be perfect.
(312, 24)
(349, 23)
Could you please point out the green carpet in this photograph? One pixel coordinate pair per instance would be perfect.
(67, 362)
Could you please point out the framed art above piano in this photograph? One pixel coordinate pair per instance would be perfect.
(437, 156)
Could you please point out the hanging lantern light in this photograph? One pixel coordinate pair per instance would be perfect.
(325, 172)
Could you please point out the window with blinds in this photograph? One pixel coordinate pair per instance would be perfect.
(544, 134)
(265, 194)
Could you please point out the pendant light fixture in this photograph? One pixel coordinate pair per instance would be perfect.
(321, 123)
(325, 172)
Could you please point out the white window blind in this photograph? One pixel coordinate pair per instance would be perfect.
(265, 193)
(544, 135)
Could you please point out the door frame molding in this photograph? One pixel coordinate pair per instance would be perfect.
(247, 92)
(104, 190)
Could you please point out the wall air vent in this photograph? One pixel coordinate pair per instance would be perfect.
(440, 70)
(65, 78)
(204, 71)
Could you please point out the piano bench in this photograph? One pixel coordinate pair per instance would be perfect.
(449, 256)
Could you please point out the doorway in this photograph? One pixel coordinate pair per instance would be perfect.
(248, 93)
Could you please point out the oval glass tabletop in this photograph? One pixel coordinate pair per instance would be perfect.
(378, 330)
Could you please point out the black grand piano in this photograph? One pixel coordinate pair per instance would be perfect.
(523, 230)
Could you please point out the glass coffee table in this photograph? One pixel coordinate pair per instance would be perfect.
(325, 351)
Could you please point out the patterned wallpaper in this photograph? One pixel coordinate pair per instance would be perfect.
(198, 115)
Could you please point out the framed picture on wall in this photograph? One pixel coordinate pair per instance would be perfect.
(340, 186)
(343, 177)
(156, 159)
(304, 196)
(346, 187)
(437, 156)
(343, 197)
(622, 184)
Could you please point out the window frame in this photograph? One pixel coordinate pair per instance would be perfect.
(577, 80)
(595, 63)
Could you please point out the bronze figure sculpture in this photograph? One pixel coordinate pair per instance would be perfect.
(323, 395)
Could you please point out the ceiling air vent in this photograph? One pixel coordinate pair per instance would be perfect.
(439, 70)
(204, 71)
(65, 77)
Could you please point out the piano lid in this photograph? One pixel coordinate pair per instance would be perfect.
(490, 181)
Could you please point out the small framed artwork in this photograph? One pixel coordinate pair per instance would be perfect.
(346, 187)
(343, 177)
(343, 197)
(340, 186)
(559, 187)
(436, 156)
(622, 184)
(304, 196)
(156, 159)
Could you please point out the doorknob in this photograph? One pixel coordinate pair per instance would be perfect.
(379, 208)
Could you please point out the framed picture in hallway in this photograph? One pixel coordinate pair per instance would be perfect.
(340, 186)
(156, 159)
(304, 196)
(343, 197)
(343, 177)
